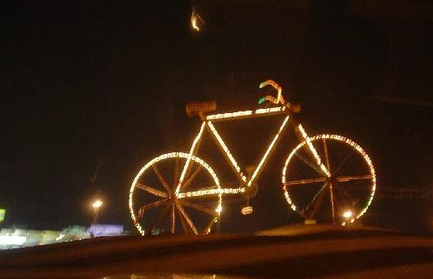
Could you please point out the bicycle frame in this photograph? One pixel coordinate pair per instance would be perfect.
(350, 187)
(207, 124)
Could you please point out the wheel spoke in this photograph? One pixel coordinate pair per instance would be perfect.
(176, 172)
(191, 178)
(186, 217)
(149, 206)
(305, 181)
(162, 216)
(354, 177)
(151, 190)
(317, 201)
(325, 150)
(161, 179)
(199, 207)
(321, 190)
(173, 219)
(331, 184)
(309, 163)
(344, 161)
(332, 200)
(182, 221)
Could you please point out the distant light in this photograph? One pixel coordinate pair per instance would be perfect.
(348, 214)
(194, 24)
(97, 204)
(310, 222)
(12, 240)
(219, 209)
(105, 230)
(60, 237)
(196, 21)
(2, 214)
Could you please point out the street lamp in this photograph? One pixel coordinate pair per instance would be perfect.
(96, 205)
(348, 217)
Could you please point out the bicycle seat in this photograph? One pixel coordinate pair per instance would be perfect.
(199, 108)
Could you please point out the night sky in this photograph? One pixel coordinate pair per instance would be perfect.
(92, 90)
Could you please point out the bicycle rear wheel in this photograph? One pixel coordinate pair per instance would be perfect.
(341, 195)
(160, 204)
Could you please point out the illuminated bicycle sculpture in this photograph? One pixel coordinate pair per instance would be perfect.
(324, 176)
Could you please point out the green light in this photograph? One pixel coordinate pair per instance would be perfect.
(2, 214)
(262, 100)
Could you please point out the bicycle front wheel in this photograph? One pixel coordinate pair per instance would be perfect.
(166, 199)
(340, 195)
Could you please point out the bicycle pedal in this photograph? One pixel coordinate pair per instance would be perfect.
(246, 210)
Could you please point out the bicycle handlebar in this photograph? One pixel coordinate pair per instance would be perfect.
(280, 98)
(276, 86)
